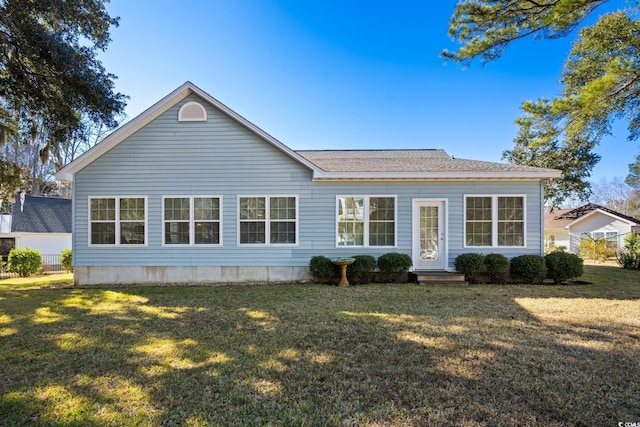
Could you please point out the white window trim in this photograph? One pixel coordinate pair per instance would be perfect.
(118, 222)
(267, 220)
(191, 221)
(365, 239)
(494, 220)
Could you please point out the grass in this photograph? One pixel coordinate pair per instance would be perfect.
(36, 282)
(396, 355)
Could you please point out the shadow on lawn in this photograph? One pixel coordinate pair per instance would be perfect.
(313, 355)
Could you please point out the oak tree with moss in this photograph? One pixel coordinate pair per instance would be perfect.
(50, 74)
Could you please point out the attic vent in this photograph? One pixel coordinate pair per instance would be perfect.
(192, 112)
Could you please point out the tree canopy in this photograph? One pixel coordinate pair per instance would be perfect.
(50, 75)
(600, 79)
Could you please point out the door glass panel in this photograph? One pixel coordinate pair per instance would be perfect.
(429, 241)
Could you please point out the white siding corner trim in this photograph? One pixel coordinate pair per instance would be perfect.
(192, 112)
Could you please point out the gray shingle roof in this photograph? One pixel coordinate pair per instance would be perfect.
(41, 215)
(430, 160)
(558, 219)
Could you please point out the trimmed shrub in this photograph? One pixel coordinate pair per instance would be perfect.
(531, 267)
(393, 266)
(497, 265)
(563, 266)
(65, 260)
(629, 258)
(25, 261)
(322, 269)
(362, 269)
(471, 265)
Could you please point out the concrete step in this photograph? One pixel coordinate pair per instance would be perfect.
(439, 278)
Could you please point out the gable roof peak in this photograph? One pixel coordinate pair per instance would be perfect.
(160, 107)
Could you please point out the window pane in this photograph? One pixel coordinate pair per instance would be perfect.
(478, 208)
(252, 208)
(478, 233)
(132, 233)
(132, 209)
(103, 209)
(176, 233)
(350, 234)
(350, 209)
(252, 232)
(381, 209)
(283, 232)
(282, 207)
(103, 233)
(381, 234)
(510, 234)
(176, 209)
(206, 208)
(510, 209)
(207, 233)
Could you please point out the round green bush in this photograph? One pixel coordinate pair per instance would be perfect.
(497, 265)
(25, 261)
(65, 260)
(322, 269)
(471, 265)
(563, 266)
(531, 267)
(362, 269)
(394, 266)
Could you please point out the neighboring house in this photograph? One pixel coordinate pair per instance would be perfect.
(190, 191)
(40, 223)
(568, 227)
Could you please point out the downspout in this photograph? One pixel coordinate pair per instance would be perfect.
(542, 217)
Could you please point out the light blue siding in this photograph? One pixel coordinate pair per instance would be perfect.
(222, 158)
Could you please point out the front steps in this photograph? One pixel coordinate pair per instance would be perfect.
(439, 278)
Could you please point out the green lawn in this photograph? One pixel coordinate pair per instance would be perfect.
(483, 355)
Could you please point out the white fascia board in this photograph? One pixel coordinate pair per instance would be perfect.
(595, 211)
(128, 129)
(409, 176)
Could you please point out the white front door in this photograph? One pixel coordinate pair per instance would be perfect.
(429, 235)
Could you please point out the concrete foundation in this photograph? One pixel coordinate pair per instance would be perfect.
(94, 276)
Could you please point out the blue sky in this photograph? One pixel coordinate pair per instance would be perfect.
(340, 74)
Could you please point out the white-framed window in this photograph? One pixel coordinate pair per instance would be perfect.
(550, 240)
(117, 220)
(366, 221)
(191, 220)
(611, 238)
(494, 220)
(268, 220)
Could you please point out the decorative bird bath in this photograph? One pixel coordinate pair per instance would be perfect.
(343, 262)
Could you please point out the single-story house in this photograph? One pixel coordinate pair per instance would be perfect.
(40, 223)
(566, 228)
(190, 191)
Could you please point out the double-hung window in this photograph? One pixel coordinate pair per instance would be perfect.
(268, 220)
(366, 221)
(494, 221)
(191, 220)
(117, 220)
